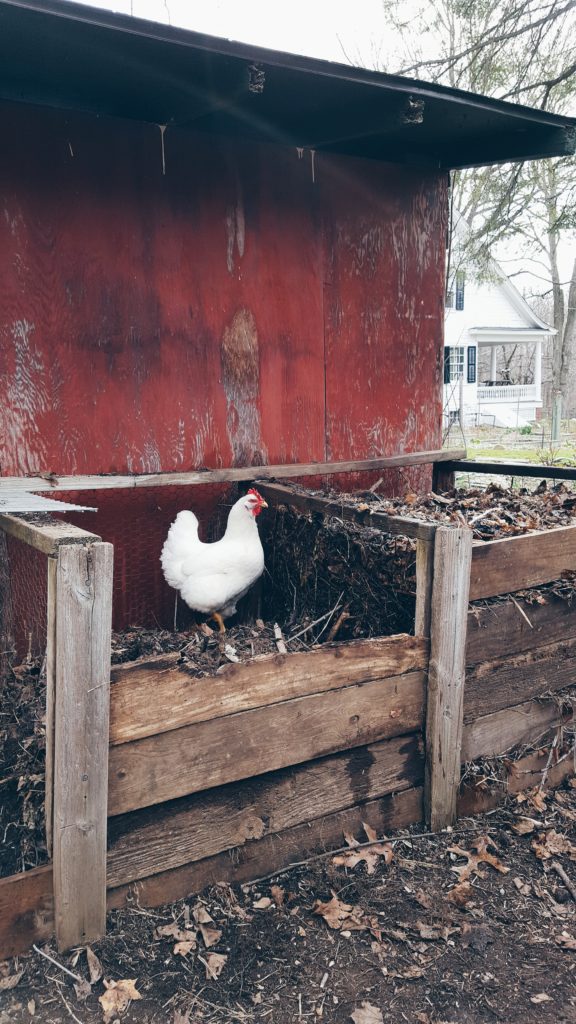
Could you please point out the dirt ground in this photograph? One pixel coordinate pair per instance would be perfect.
(420, 931)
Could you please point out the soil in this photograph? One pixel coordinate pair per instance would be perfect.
(408, 945)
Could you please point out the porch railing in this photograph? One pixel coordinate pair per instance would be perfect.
(510, 393)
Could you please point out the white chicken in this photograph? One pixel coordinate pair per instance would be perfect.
(211, 578)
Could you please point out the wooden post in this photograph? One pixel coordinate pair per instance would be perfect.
(424, 578)
(83, 586)
(52, 567)
(443, 478)
(450, 590)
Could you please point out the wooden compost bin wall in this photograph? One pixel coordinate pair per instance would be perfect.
(335, 730)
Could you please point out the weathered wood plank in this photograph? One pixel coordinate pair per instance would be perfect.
(212, 753)
(505, 682)
(443, 477)
(155, 695)
(515, 563)
(83, 629)
(516, 469)
(424, 582)
(26, 910)
(146, 842)
(217, 476)
(452, 558)
(500, 732)
(499, 629)
(274, 851)
(52, 597)
(46, 537)
(523, 774)
(278, 494)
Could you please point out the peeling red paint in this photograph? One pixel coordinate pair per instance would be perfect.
(236, 308)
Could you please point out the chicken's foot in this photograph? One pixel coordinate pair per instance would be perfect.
(218, 618)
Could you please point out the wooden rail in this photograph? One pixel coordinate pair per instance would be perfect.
(527, 469)
(515, 563)
(229, 475)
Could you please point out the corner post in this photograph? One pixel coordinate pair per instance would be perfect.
(450, 593)
(82, 595)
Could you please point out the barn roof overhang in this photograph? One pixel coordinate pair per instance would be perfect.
(70, 56)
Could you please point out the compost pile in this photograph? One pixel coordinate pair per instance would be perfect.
(491, 513)
(22, 750)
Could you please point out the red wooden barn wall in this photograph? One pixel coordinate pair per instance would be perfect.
(209, 303)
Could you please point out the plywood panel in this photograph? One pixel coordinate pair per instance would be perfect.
(384, 237)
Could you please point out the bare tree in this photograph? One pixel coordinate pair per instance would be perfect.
(523, 52)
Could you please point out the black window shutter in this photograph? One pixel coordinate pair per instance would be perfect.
(472, 364)
(446, 364)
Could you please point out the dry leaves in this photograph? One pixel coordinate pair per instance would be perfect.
(214, 964)
(461, 894)
(210, 934)
(366, 1013)
(565, 940)
(541, 997)
(474, 860)
(345, 917)
(94, 966)
(369, 854)
(10, 982)
(117, 997)
(524, 826)
(549, 844)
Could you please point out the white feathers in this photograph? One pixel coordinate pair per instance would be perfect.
(212, 577)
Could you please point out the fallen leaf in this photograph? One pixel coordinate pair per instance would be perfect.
(184, 947)
(461, 894)
(82, 988)
(210, 935)
(10, 982)
(174, 931)
(201, 915)
(181, 1018)
(536, 799)
(277, 895)
(94, 966)
(369, 854)
(31, 1006)
(262, 904)
(523, 887)
(476, 936)
(523, 826)
(541, 997)
(214, 964)
(565, 940)
(344, 916)
(117, 997)
(433, 932)
(548, 844)
(482, 856)
(366, 1013)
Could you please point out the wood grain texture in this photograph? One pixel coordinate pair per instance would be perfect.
(452, 558)
(424, 582)
(504, 682)
(212, 753)
(26, 910)
(500, 732)
(516, 563)
(83, 628)
(46, 537)
(524, 774)
(155, 695)
(499, 629)
(52, 599)
(273, 852)
(282, 471)
(147, 842)
(278, 494)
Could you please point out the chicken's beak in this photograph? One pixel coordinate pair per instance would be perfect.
(263, 504)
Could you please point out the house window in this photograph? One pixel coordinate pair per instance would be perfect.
(455, 295)
(471, 375)
(453, 363)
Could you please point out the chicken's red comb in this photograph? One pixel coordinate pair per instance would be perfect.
(252, 490)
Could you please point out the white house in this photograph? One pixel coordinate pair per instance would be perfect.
(483, 314)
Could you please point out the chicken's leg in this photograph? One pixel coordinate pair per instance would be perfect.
(218, 618)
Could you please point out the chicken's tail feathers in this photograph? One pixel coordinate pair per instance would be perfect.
(182, 536)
